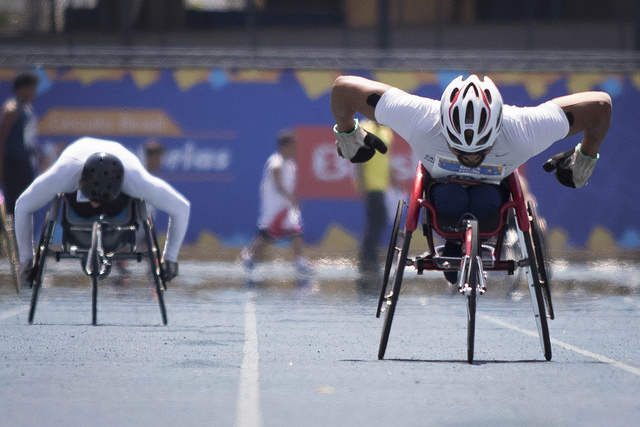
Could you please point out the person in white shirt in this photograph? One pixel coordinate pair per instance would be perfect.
(468, 140)
(279, 208)
(102, 171)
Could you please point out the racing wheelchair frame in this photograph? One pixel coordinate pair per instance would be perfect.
(8, 240)
(482, 250)
(97, 242)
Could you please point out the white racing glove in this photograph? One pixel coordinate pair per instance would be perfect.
(573, 168)
(358, 145)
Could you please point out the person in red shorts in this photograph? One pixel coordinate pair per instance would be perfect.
(279, 209)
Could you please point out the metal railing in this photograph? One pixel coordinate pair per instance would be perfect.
(321, 59)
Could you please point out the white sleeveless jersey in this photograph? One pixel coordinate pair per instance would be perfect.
(526, 132)
(63, 177)
(273, 206)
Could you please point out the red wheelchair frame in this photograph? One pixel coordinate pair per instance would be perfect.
(478, 255)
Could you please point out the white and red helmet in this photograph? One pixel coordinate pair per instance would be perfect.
(471, 114)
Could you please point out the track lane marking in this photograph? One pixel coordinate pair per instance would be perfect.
(248, 412)
(604, 359)
(11, 313)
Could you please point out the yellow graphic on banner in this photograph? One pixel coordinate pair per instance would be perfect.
(536, 85)
(188, 78)
(145, 78)
(316, 83)
(102, 122)
(89, 75)
(7, 74)
(407, 81)
(255, 76)
(635, 78)
(582, 82)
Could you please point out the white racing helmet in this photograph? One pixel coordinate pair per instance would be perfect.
(471, 114)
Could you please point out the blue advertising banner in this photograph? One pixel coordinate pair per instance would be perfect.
(220, 126)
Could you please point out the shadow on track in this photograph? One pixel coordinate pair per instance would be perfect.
(463, 361)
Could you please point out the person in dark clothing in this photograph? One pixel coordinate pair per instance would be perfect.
(18, 139)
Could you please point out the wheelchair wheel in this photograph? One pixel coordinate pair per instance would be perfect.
(154, 264)
(470, 276)
(94, 300)
(392, 298)
(393, 249)
(538, 235)
(537, 298)
(95, 272)
(40, 261)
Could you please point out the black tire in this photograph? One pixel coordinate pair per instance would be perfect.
(392, 299)
(94, 300)
(538, 235)
(471, 323)
(471, 280)
(40, 262)
(537, 299)
(95, 272)
(393, 248)
(155, 266)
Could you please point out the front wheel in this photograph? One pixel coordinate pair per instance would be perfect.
(392, 299)
(94, 262)
(469, 271)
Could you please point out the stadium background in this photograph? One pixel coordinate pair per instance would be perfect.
(216, 81)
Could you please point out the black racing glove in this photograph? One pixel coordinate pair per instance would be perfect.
(26, 274)
(170, 270)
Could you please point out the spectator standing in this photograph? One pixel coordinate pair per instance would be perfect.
(374, 178)
(18, 139)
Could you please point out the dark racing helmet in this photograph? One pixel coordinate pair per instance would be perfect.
(102, 177)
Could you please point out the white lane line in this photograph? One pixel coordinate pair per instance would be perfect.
(604, 359)
(11, 313)
(248, 413)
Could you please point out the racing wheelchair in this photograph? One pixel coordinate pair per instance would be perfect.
(482, 250)
(97, 241)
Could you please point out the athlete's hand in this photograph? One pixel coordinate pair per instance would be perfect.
(170, 270)
(25, 274)
(358, 146)
(573, 168)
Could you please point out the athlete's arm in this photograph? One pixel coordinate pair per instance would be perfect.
(351, 94)
(141, 184)
(61, 177)
(589, 113)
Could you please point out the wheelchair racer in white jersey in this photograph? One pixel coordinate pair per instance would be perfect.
(101, 171)
(469, 141)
